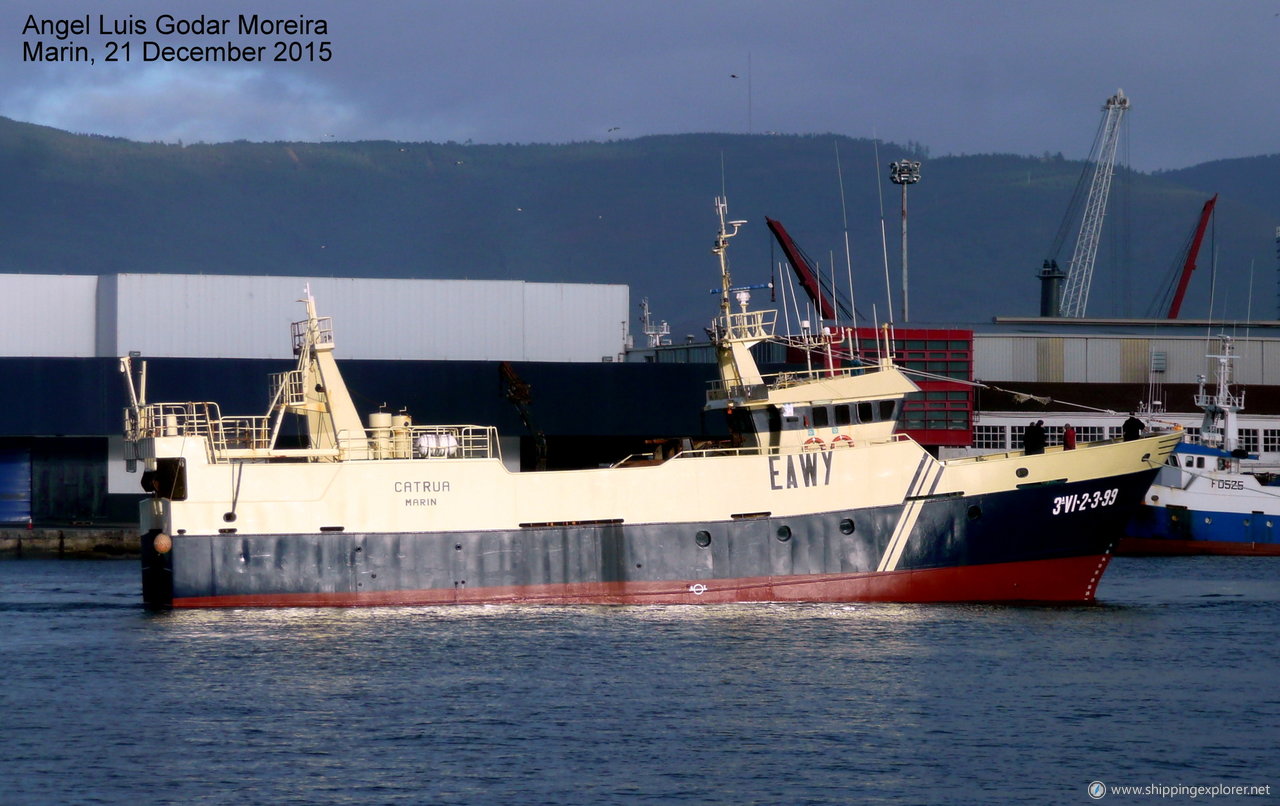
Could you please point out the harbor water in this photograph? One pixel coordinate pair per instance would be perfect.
(1172, 679)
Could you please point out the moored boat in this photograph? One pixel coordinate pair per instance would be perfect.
(815, 498)
(1201, 501)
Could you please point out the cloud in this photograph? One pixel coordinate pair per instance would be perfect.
(190, 103)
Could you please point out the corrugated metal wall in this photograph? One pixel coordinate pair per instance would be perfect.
(1135, 360)
(206, 316)
(1101, 362)
(994, 358)
(1185, 358)
(1075, 358)
(1049, 360)
(47, 315)
(223, 316)
(1026, 359)
(1117, 359)
(562, 322)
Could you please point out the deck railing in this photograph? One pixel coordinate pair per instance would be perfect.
(251, 436)
(421, 442)
(201, 420)
(747, 325)
(772, 450)
(719, 390)
(286, 388)
(302, 333)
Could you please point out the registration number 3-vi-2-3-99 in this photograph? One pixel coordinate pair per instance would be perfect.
(1079, 502)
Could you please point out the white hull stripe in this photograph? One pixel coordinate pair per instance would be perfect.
(928, 474)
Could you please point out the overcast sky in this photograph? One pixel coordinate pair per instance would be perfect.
(962, 77)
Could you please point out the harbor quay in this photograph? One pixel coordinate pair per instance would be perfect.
(102, 542)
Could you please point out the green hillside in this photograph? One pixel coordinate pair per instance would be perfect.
(635, 211)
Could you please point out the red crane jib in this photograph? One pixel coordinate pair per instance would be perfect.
(805, 273)
(1190, 264)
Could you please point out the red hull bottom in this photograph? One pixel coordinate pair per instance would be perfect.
(1071, 579)
(1159, 547)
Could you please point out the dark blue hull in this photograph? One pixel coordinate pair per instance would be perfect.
(1178, 531)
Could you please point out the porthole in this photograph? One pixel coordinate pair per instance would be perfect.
(229, 517)
(702, 538)
(846, 526)
(784, 533)
(975, 512)
(1208, 520)
(1021, 472)
(1155, 498)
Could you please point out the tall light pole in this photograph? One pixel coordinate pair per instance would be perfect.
(904, 172)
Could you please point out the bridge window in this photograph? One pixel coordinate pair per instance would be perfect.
(843, 415)
(821, 417)
(867, 412)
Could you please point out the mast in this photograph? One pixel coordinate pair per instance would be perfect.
(326, 404)
(736, 333)
(721, 250)
(1219, 428)
(657, 334)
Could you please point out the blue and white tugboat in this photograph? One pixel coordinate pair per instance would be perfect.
(1202, 502)
(815, 498)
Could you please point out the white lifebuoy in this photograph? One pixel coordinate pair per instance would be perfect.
(438, 445)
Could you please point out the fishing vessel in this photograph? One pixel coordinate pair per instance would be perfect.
(814, 498)
(1202, 501)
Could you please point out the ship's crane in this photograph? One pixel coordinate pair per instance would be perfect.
(1079, 275)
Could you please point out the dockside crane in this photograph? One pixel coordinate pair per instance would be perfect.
(1189, 264)
(823, 294)
(1079, 274)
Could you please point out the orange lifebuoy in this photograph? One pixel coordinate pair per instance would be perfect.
(814, 444)
(844, 440)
